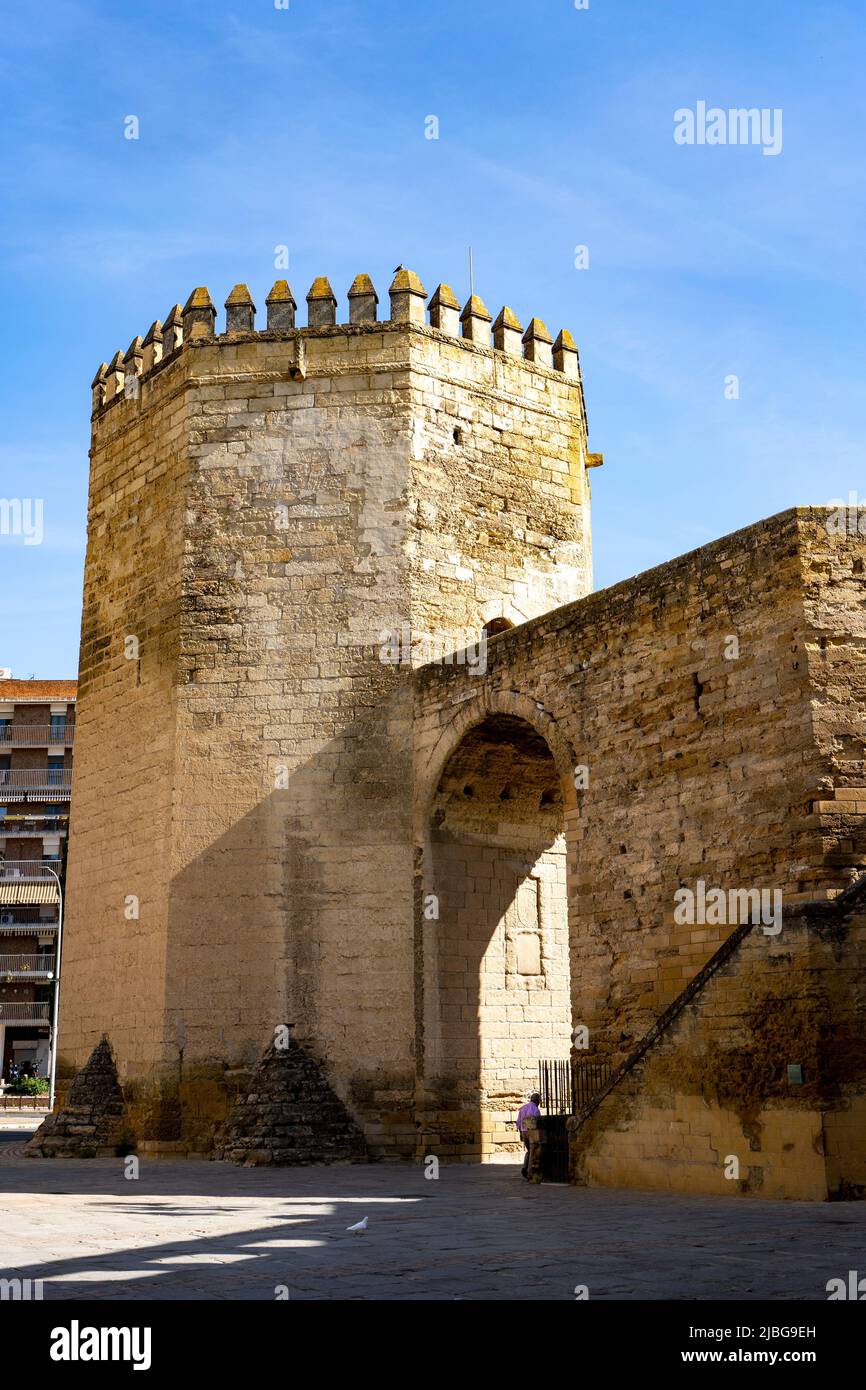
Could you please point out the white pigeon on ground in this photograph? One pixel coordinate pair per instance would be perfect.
(359, 1226)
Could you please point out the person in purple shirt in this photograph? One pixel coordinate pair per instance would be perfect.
(525, 1113)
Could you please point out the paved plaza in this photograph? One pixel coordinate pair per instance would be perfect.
(200, 1230)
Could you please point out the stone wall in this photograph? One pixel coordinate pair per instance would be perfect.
(713, 1106)
(736, 764)
(117, 886)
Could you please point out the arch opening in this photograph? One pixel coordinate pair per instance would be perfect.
(496, 959)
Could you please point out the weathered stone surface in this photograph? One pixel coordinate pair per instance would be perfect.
(257, 533)
(705, 759)
(315, 830)
(92, 1120)
(290, 1116)
(710, 1106)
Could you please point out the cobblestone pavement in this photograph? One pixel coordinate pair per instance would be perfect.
(199, 1230)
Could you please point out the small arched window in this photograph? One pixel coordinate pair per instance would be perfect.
(497, 625)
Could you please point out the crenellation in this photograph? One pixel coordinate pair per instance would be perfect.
(506, 332)
(538, 344)
(133, 358)
(196, 323)
(408, 297)
(98, 385)
(445, 311)
(199, 316)
(114, 377)
(475, 321)
(172, 331)
(240, 311)
(565, 355)
(321, 304)
(363, 300)
(281, 308)
(152, 347)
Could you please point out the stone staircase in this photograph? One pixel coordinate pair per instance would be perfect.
(752, 1081)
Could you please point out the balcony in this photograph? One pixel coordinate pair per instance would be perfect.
(24, 1013)
(19, 927)
(44, 783)
(36, 736)
(27, 871)
(26, 966)
(28, 883)
(27, 827)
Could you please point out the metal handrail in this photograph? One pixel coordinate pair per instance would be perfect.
(14, 829)
(35, 735)
(565, 1085)
(26, 965)
(36, 777)
(19, 927)
(24, 1013)
(26, 871)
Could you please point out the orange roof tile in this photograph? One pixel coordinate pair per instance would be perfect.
(22, 691)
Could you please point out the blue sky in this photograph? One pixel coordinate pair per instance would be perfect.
(305, 127)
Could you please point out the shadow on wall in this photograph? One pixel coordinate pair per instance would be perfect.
(299, 914)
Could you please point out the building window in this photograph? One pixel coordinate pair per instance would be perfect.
(58, 728)
(55, 772)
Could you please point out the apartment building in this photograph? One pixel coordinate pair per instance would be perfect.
(37, 729)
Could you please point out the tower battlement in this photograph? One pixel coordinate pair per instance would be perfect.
(194, 324)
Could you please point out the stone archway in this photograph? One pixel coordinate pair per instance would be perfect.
(494, 935)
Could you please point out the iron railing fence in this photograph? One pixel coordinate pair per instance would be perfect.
(29, 777)
(36, 735)
(20, 926)
(587, 1078)
(23, 1013)
(27, 964)
(554, 1085)
(17, 828)
(565, 1086)
(28, 871)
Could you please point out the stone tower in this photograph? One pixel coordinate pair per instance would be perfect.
(282, 522)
